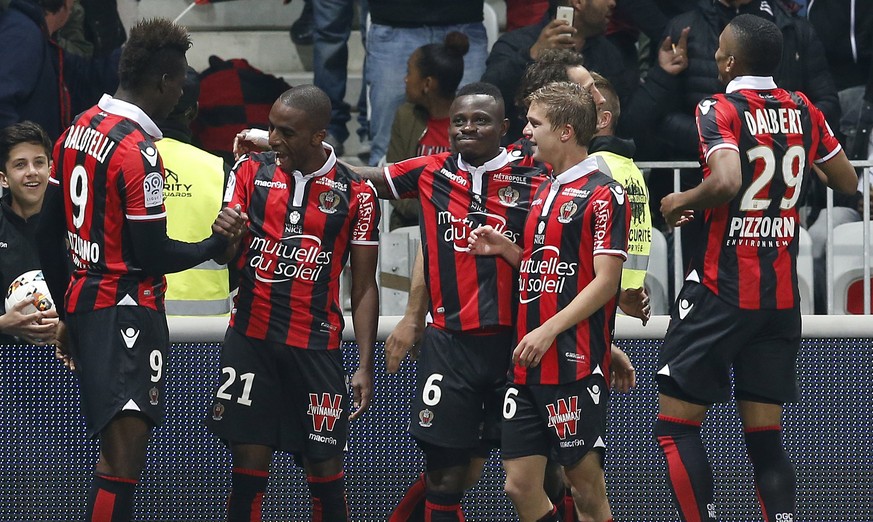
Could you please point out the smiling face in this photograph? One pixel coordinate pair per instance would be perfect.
(477, 125)
(292, 139)
(25, 175)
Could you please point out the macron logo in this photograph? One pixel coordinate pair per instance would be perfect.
(271, 184)
(454, 177)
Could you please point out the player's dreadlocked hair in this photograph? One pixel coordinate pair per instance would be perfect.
(760, 43)
(152, 50)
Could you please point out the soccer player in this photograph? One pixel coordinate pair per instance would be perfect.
(25, 156)
(461, 371)
(105, 200)
(282, 383)
(570, 261)
(737, 312)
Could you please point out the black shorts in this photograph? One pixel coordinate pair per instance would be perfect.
(707, 338)
(459, 386)
(562, 422)
(287, 398)
(120, 355)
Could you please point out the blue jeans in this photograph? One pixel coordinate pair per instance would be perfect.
(332, 22)
(388, 49)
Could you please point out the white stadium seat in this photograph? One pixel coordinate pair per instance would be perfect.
(848, 254)
(657, 278)
(805, 272)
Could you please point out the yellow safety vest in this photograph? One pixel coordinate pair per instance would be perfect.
(193, 193)
(623, 170)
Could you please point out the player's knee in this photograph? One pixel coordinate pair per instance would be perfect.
(519, 486)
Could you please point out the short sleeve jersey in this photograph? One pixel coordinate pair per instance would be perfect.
(749, 256)
(467, 292)
(580, 214)
(110, 173)
(291, 258)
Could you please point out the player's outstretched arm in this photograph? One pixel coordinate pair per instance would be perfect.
(485, 241)
(718, 188)
(376, 176)
(51, 231)
(410, 327)
(365, 317)
(598, 292)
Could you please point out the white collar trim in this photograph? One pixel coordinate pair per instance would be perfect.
(328, 165)
(493, 164)
(583, 168)
(132, 112)
(758, 83)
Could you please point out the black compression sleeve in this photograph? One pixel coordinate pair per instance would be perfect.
(158, 254)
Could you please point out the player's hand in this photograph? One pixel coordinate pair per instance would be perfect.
(557, 34)
(249, 141)
(673, 57)
(622, 374)
(674, 216)
(230, 223)
(37, 328)
(402, 341)
(635, 303)
(532, 347)
(485, 241)
(362, 391)
(62, 347)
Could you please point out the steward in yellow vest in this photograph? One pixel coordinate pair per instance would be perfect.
(193, 193)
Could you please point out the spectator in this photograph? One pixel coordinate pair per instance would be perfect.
(846, 30)
(421, 126)
(514, 51)
(332, 26)
(193, 193)
(24, 171)
(400, 25)
(38, 81)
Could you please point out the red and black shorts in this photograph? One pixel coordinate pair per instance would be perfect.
(709, 339)
(562, 422)
(287, 398)
(120, 354)
(459, 388)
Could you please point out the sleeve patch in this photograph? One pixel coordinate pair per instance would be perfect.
(153, 189)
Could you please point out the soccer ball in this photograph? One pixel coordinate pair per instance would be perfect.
(31, 287)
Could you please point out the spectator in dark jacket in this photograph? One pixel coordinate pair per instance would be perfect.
(803, 67)
(39, 81)
(515, 50)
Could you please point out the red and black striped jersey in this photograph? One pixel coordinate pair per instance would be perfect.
(749, 256)
(580, 214)
(467, 292)
(110, 173)
(297, 243)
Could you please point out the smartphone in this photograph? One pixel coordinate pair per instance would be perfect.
(565, 13)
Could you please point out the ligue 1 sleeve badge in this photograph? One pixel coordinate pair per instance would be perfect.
(154, 395)
(425, 418)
